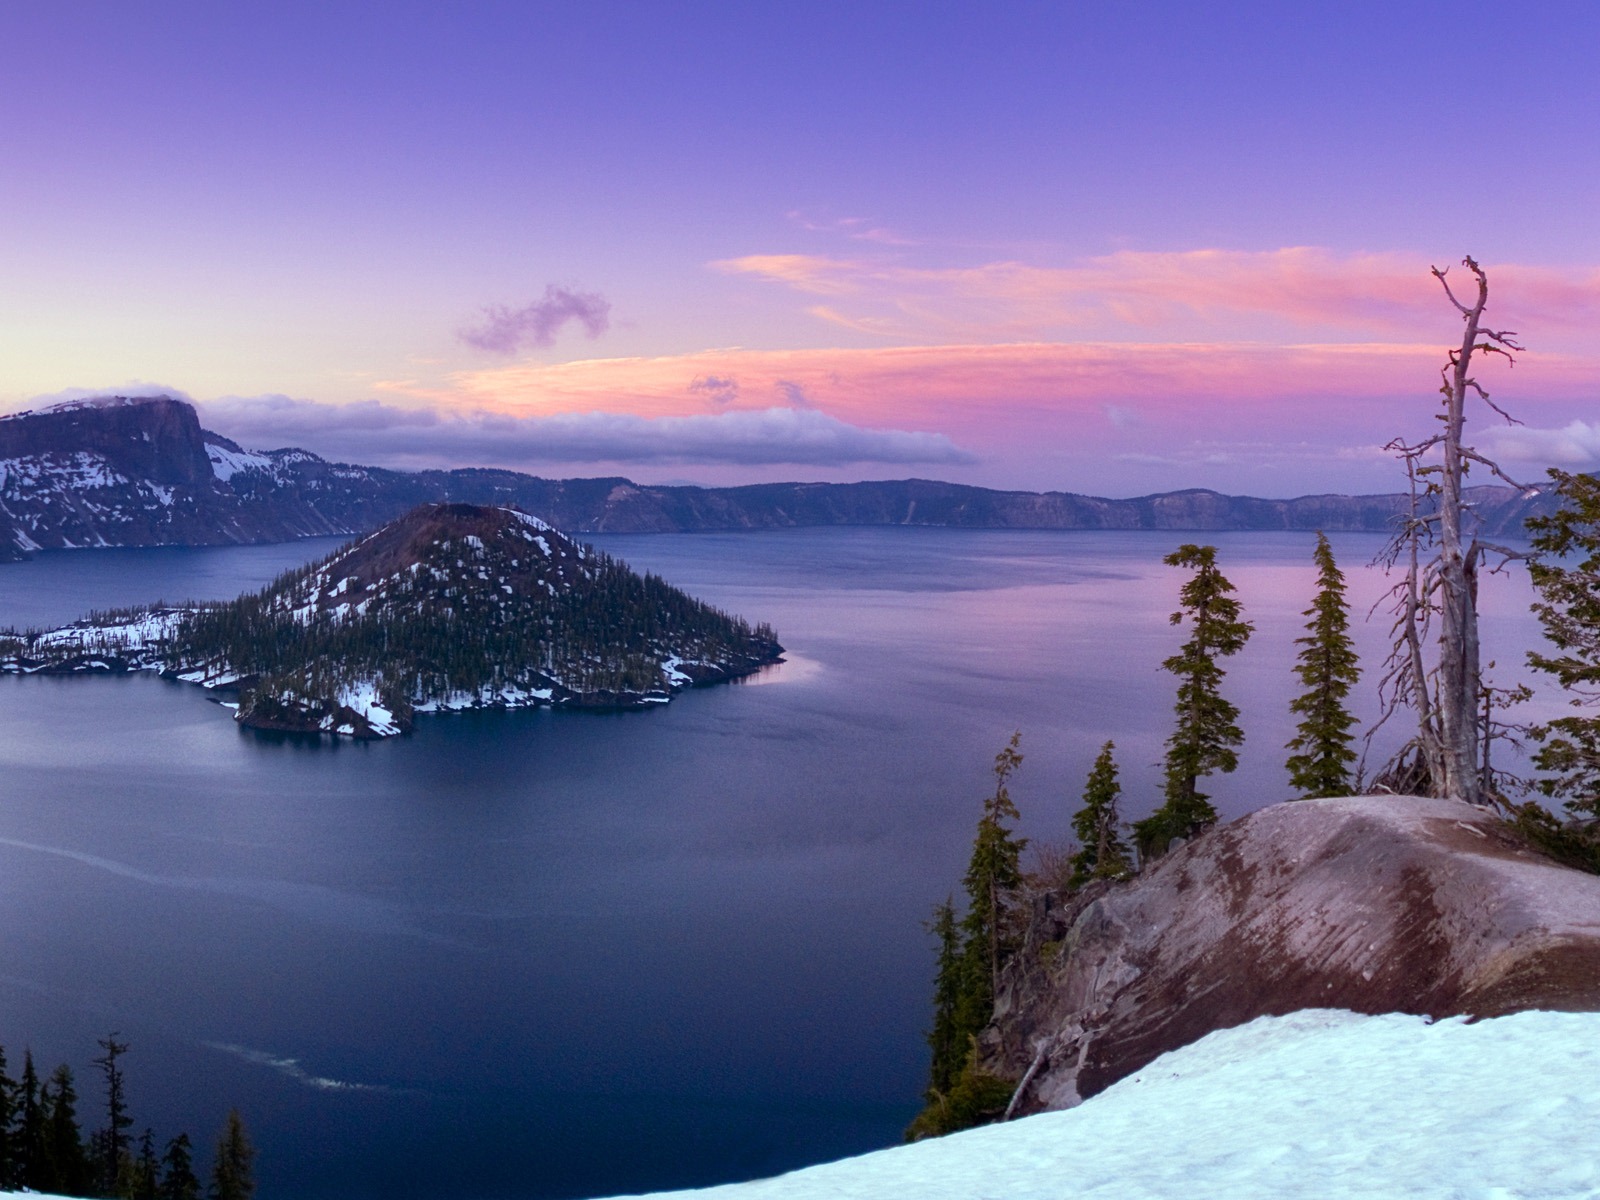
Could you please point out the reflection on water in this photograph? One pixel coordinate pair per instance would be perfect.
(575, 953)
(794, 669)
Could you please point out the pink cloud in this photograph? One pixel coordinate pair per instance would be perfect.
(956, 380)
(1306, 288)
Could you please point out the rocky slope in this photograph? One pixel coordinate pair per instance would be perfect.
(142, 472)
(452, 607)
(1374, 904)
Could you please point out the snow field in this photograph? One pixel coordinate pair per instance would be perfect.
(1317, 1104)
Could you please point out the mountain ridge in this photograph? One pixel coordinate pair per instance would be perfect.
(120, 471)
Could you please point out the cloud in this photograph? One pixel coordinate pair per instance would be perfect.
(397, 435)
(1576, 444)
(133, 388)
(1301, 287)
(507, 330)
(719, 389)
(794, 394)
(911, 386)
(860, 229)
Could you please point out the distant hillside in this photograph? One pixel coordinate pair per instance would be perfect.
(454, 606)
(142, 472)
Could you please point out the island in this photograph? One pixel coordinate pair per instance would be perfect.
(450, 607)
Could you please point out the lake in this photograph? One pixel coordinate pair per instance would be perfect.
(549, 954)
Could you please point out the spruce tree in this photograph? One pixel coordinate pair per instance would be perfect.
(1104, 854)
(178, 1180)
(67, 1163)
(232, 1177)
(8, 1114)
(946, 1039)
(993, 874)
(1328, 670)
(141, 1176)
(1207, 730)
(30, 1170)
(113, 1141)
(1566, 574)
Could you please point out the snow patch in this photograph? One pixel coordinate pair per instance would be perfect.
(1316, 1104)
(225, 463)
(362, 698)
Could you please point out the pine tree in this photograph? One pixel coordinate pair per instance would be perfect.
(31, 1170)
(9, 1099)
(178, 1180)
(993, 874)
(67, 1163)
(140, 1177)
(113, 1141)
(1328, 670)
(946, 1039)
(1104, 855)
(1566, 574)
(231, 1175)
(1207, 729)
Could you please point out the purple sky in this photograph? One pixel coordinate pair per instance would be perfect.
(1112, 249)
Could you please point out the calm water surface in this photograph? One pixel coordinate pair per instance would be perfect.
(551, 954)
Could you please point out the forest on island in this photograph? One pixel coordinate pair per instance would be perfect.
(421, 613)
(428, 640)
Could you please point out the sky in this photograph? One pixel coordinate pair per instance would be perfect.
(1113, 249)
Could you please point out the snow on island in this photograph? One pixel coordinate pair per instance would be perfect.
(452, 607)
(1314, 1105)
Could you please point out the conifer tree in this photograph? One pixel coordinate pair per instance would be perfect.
(993, 874)
(8, 1115)
(30, 1170)
(1566, 574)
(67, 1163)
(113, 1141)
(1207, 730)
(1104, 854)
(946, 1039)
(232, 1177)
(178, 1180)
(141, 1176)
(1328, 670)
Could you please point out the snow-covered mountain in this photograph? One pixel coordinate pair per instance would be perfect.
(141, 472)
(123, 471)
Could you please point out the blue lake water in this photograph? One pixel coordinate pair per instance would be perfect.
(572, 954)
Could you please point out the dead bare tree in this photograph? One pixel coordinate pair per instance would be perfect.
(1444, 757)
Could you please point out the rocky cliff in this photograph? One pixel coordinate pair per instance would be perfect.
(142, 472)
(1373, 903)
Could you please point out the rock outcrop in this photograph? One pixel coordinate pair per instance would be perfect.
(1370, 903)
(142, 472)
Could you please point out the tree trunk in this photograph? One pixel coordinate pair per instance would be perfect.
(1458, 631)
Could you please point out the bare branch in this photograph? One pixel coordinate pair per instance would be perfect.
(1484, 396)
(1506, 553)
(1506, 337)
(1493, 466)
(1440, 276)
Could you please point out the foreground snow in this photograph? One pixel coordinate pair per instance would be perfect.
(1315, 1104)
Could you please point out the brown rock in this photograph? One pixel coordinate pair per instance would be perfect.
(1369, 903)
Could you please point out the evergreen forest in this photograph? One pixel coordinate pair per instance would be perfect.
(47, 1144)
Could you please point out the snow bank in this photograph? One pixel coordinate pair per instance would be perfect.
(1316, 1104)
